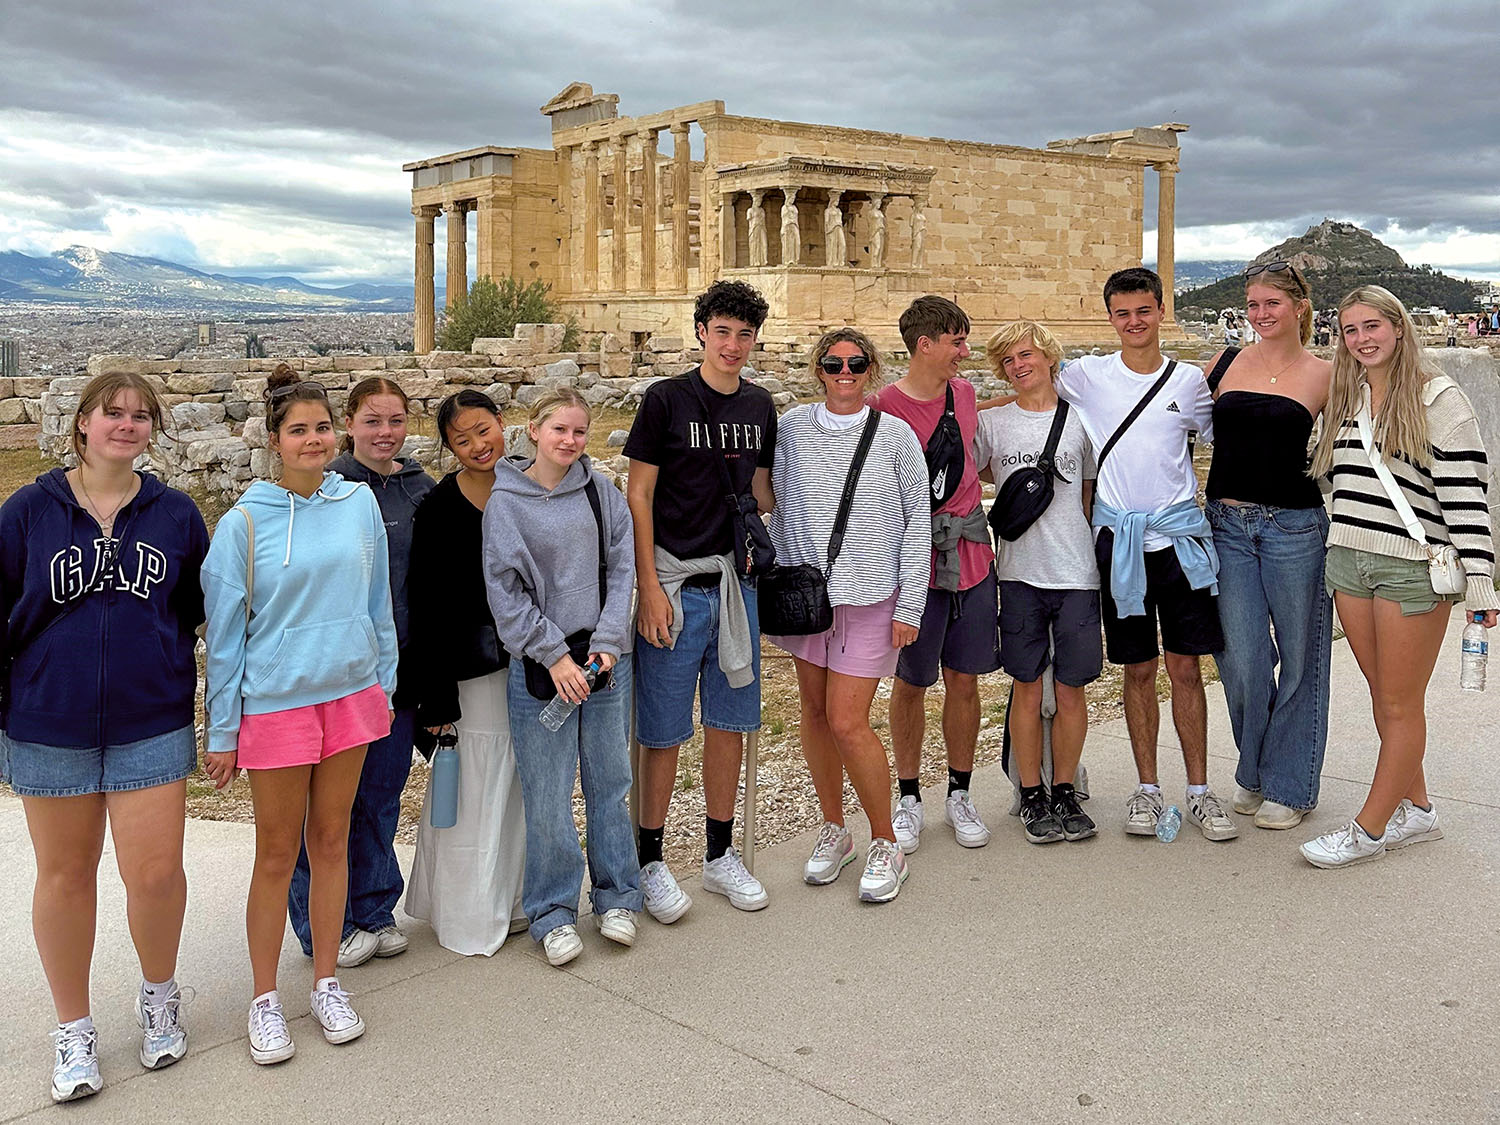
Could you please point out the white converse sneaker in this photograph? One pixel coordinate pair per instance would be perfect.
(1142, 812)
(561, 945)
(75, 1071)
(906, 820)
(968, 829)
(1246, 801)
(163, 1038)
(1274, 815)
(389, 941)
(270, 1038)
(833, 852)
(665, 900)
(334, 1013)
(1342, 846)
(618, 925)
(885, 871)
(1208, 813)
(1411, 825)
(357, 948)
(727, 876)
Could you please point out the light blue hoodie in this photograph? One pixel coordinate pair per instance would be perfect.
(320, 626)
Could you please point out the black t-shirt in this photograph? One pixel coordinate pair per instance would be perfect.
(690, 514)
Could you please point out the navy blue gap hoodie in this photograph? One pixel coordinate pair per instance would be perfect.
(87, 659)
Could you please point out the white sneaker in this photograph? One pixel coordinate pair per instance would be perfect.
(727, 876)
(906, 819)
(1208, 813)
(1343, 846)
(665, 900)
(1246, 801)
(833, 852)
(968, 829)
(334, 1013)
(562, 944)
(885, 871)
(357, 948)
(1142, 811)
(163, 1038)
(75, 1072)
(1274, 815)
(618, 925)
(1411, 825)
(389, 941)
(270, 1038)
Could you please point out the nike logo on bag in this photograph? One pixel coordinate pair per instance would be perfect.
(939, 481)
(1172, 408)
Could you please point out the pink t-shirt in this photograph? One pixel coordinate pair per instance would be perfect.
(974, 559)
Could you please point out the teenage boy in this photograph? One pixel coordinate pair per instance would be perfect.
(958, 633)
(1154, 546)
(697, 613)
(1049, 580)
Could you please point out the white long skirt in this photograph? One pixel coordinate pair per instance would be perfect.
(466, 880)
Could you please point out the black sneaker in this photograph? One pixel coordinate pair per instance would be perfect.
(1037, 817)
(1074, 822)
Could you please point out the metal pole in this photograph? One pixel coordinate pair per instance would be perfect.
(752, 770)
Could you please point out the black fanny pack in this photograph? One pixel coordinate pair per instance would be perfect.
(539, 683)
(945, 455)
(1028, 491)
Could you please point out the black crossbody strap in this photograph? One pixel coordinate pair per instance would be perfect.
(592, 492)
(1049, 451)
(1136, 413)
(1216, 376)
(846, 501)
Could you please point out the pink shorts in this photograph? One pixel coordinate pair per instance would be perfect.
(305, 736)
(859, 644)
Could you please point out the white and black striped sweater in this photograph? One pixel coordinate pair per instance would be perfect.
(1450, 497)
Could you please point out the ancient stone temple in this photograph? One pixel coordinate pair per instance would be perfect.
(835, 226)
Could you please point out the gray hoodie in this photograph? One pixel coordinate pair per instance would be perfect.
(541, 562)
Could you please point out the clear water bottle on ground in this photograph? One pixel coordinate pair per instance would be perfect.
(1476, 654)
(443, 808)
(1169, 824)
(556, 713)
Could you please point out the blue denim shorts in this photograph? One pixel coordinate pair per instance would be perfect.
(667, 678)
(35, 770)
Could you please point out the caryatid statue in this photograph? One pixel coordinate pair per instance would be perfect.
(918, 233)
(759, 247)
(791, 236)
(877, 231)
(835, 247)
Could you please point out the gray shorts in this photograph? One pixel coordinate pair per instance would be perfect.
(958, 632)
(1028, 614)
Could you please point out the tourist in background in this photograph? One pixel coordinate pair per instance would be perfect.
(301, 669)
(559, 565)
(374, 431)
(877, 588)
(1269, 527)
(1422, 426)
(465, 879)
(99, 600)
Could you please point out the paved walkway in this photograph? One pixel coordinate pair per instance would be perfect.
(1116, 980)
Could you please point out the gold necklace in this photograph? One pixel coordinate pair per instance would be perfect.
(106, 523)
(1283, 371)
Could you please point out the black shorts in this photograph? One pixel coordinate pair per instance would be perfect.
(958, 631)
(1028, 614)
(1189, 618)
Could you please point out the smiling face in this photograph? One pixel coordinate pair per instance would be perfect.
(378, 429)
(116, 431)
(477, 439)
(844, 392)
(727, 344)
(1272, 312)
(306, 438)
(1371, 339)
(562, 436)
(945, 352)
(1136, 317)
(1026, 366)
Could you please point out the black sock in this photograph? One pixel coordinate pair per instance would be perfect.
(720, 836)
(958, 779)
(910, 787)
(648, 844)
(1061, 789)
(1031, 792)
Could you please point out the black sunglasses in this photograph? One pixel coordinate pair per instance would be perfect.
(832, 364)
(292, 388)
(1275, 267)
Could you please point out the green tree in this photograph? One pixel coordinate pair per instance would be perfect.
(494, 308)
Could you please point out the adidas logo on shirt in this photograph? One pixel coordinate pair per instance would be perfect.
(1172, 407)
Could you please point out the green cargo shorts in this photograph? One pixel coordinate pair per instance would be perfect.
(1364, 574)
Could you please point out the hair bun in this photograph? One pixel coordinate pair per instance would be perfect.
(281, 376)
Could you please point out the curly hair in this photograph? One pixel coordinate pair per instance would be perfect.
(732, 299)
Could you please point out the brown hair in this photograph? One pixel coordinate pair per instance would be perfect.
(859, 340)
(103, 390)
(1291, 282)
(302, 390)
(931, 316)
(368, 388)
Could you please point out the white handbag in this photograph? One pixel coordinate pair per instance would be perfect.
(1444, 569)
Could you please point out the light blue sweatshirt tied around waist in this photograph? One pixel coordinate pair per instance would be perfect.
(1192, 538)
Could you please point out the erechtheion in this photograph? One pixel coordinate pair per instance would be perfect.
(834, 225)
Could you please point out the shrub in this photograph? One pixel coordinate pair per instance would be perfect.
(494, 308)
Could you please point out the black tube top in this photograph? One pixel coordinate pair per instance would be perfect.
(1260, 451)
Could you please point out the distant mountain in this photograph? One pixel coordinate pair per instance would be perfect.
(1191, 275)
(82, 274)
(1337, 257)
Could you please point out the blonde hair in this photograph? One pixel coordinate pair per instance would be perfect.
(859, 340)
(1007, 336)
(103, 391)
(1291, 282)
(1401, 427)
(553, 400)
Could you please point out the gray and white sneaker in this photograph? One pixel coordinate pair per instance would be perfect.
(968, 829)
(562, 944)
(665, 900)
(163, 1038)
(389, 941)
(1342, 847)
(335, 1014)
(906, 821)
(1246, 801)
(833, 852)
(1277, 817)
(1208, 813)
(1142, 811)
(1411, 825)
(618, 925)
(357, 948)
(75, 1071)
(727, 876)
(885, 871)
(270, 1038)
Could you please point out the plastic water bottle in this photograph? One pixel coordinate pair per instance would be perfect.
(556, 713)
(1169, 824)
(1476, 654)
(443, 808)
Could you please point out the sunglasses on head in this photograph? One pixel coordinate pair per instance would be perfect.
(1273, 267)
(833, 365)
(292, 388)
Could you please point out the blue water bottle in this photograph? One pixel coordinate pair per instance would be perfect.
(1168, 824)
(443, 807)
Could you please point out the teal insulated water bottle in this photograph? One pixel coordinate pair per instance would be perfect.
(443, 807)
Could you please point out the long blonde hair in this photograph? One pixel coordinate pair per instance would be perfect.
(1401, 427)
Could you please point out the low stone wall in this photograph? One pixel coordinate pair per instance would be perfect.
(1478, 372)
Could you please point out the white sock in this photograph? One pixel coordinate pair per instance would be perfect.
(270, 999)
(325, 984)
(158, 994)
(1197, 790)
(1151, 787)
(83, 1023)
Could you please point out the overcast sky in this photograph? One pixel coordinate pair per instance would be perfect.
(268, 136)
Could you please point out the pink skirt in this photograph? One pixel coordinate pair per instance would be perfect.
(305, 736)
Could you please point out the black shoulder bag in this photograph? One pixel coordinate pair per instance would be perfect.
(793, 600)
(945, 454)
(1134, 414)
(539, 683)
(1028, 491)
(753, 552)
(1215, 377)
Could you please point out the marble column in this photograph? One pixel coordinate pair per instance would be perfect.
(760, 249)
(650, 208)
(622, 212)
(424, 324)
(591, 210)
(458, 251)
(791, 235)
(1166, 218)
(728, 243)
(681, 189)
(564, 282)
(494, 251)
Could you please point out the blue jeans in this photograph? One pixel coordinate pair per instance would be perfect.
(1271, 577)
(375, 882)
(594, 741)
